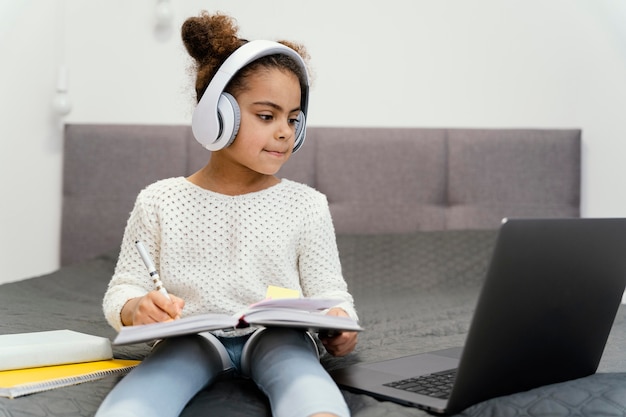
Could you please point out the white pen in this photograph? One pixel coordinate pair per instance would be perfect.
(151, 268)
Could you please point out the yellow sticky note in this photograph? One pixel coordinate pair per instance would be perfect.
(274, 292)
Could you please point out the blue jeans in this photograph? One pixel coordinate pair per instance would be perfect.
(282, 362)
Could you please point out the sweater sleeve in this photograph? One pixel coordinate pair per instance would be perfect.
(130, 279)
(319, 264)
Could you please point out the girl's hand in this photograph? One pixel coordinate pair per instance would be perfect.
(151, 308)
(342, 343)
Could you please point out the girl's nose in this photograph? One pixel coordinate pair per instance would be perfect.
(284, 130)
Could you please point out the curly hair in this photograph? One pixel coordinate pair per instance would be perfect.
(211, 38)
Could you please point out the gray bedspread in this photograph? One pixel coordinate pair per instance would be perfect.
(414, 293)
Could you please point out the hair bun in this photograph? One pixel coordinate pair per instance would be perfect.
(210, 36)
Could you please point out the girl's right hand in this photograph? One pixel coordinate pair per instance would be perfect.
(151, 308)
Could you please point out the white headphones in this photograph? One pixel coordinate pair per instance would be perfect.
(216, 119)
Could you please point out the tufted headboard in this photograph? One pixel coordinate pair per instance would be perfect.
(377, 180)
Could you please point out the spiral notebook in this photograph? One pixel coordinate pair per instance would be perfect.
(18, 382)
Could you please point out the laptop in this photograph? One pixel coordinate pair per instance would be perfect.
(544, 314)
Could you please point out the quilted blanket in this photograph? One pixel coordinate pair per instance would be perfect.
(414, 293)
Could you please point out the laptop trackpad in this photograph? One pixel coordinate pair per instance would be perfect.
(421, 364)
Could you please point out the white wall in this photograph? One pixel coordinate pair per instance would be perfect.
(423, 63)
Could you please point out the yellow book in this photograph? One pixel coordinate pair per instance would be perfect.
(18, 382)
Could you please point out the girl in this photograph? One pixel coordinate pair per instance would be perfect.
(222, 235)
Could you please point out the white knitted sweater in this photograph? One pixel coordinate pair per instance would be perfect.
(219, 253)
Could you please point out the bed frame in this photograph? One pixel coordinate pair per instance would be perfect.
(377, 180)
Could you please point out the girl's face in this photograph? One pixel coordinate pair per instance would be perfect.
(269, 106)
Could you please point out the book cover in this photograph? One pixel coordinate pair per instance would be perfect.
(304, 313)
(18, 382)
(54, 347)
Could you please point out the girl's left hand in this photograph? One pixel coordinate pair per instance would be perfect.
(339, 344)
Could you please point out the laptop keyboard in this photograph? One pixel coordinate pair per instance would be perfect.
(438, 385)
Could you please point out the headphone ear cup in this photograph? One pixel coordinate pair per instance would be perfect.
(229, 117)
(300, 133)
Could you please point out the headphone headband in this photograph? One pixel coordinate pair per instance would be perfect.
(215, 120)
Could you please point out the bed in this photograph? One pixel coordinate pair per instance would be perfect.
(416, 213)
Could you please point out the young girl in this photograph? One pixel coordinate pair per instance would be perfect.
(222, 235)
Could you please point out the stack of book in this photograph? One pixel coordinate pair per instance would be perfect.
(41, 361)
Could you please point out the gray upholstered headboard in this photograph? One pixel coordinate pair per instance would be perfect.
(377, 180)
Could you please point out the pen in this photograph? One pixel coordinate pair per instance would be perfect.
(151, 268)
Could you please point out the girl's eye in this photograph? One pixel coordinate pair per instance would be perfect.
(293, 121)
(265, 117)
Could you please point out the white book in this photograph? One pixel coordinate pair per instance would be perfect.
(54, 347)
(306, 313)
